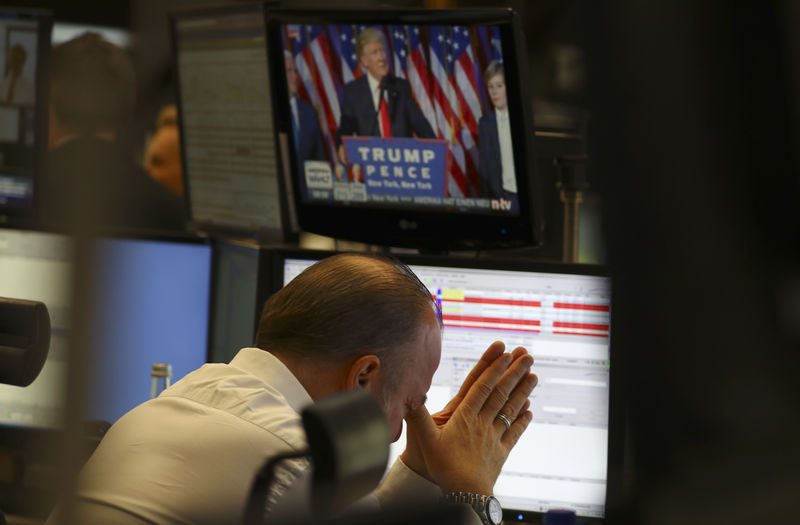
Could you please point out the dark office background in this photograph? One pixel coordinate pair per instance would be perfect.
(689, 113)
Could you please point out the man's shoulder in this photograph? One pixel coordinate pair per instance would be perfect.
(356, 84)
(488, 119)
(225, 389)
(393, 79)
(393, 82)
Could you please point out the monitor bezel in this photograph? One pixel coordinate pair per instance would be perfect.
(416, 227)
(288, 230)
(25, 216)
(616, 421)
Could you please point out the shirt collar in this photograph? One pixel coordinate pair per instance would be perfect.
(273, 372)
(374, 84)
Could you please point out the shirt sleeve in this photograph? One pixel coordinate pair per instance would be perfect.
(403, 486)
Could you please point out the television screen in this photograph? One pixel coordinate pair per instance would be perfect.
(24, 49)
(405, 127)
(225, 113)
(560, 313)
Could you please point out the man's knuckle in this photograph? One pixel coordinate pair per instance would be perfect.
(501, 393)
(484, 389)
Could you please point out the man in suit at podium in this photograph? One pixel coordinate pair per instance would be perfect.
(392, 111)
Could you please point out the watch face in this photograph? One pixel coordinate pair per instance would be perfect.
(494, 510)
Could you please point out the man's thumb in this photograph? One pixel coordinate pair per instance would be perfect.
(420, 423)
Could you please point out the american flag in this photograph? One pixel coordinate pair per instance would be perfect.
(313, 60)
(399, 51)
(347, 40)
(489, 47)
(488, 50)
(334, 41)
(468, 78)
(445, 104)
(417, 74)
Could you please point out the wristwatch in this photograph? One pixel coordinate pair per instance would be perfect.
(487, 507)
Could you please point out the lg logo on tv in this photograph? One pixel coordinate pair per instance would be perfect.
(408, 225)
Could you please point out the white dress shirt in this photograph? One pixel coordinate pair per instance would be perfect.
(190, 455)
(375, 89)
(506, 150)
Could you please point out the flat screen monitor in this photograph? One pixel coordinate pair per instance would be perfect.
(24, 52)
(225, 115)
(406, 127)
(150, 305)
(560, 313)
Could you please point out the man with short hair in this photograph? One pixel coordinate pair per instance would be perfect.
(349, 321)
(377, 103)
(91, 179)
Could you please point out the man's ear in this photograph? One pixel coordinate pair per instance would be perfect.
(363, 372)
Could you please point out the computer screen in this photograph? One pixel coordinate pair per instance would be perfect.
(560, 313)
(225, 114)
(24, 51)
(150, 305)
(406, 127)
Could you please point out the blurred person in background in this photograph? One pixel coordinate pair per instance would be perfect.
(91, 180)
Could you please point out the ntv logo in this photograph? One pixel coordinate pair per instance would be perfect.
(501, 205)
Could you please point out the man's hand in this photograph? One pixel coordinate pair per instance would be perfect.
(412, 456)
(463, 447)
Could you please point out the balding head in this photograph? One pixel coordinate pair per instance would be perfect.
(346, 306)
